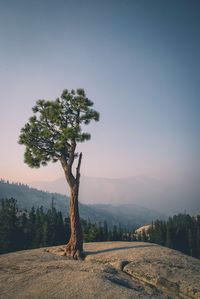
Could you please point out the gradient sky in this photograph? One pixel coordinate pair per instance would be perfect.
(139, 61)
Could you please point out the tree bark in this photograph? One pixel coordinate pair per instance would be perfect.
(74, 247)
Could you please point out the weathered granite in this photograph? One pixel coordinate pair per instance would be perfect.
(110, 270)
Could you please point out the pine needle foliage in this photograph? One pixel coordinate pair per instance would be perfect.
(55, 128)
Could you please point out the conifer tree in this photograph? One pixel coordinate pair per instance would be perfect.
(31, 227)
(114, 233)
(52, 134)
(8, 225)
(105, 231)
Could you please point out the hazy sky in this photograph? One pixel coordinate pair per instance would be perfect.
(139, 61)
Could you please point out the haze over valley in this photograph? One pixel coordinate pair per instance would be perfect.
(128, 216)
(164, 196)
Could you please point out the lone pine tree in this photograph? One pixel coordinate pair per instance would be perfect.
(52, 134)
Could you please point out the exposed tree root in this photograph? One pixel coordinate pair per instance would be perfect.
(72, 251)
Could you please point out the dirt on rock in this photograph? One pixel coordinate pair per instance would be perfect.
(110, 270)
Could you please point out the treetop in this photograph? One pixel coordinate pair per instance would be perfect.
(55, 128)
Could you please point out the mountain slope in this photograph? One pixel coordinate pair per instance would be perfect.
(129, 216)
(168, 197)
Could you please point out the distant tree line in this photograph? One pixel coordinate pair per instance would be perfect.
(180, 232)
(99, 232)
(21, 230)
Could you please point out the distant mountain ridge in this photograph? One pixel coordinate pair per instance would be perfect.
(161, 195)
(129, 216)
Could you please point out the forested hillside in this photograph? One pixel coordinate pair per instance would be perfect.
(38, 228)
(180, 232)
(128, 216)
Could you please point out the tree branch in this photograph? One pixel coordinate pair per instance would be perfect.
(68, 171)
(72, 153)
(78, 167)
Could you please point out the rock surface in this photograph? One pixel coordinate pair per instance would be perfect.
(110, 270)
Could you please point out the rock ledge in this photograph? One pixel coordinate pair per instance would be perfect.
(111, 269)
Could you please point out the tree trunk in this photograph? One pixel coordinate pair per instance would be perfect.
(75, 245)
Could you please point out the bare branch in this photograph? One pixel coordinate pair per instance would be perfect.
(72, 153)
(78, 167)
(68, 172)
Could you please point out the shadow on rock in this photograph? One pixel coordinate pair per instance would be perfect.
(116, 249)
